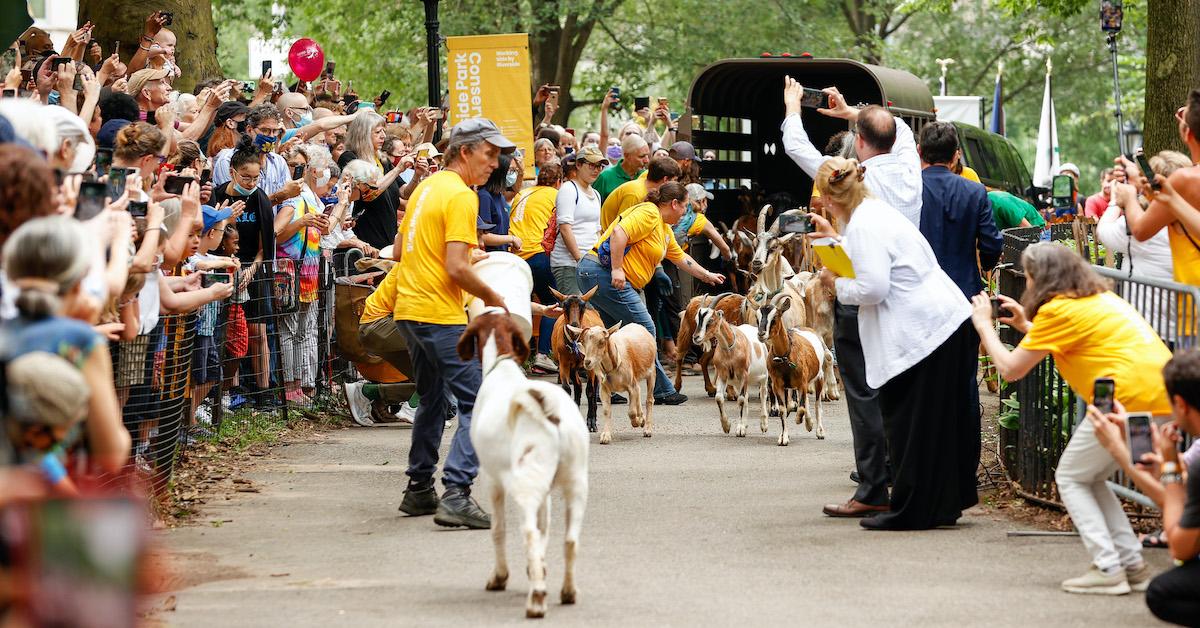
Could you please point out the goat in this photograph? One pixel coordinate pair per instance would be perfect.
(818, 312)
(739, 360)
(795, 362)
(741, 241)
(737, 311)
(566, 349)
(529, 438)
(621, 358)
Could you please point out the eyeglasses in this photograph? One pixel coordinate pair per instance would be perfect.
(241, 177)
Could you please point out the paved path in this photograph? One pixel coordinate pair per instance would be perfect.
(689, 528)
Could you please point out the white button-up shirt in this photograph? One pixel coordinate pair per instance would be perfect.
(908, 306)
(893, 177)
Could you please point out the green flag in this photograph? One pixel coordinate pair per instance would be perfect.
(14, 19)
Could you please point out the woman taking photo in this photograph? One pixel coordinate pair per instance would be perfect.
(376, 211)
(624, 261)
(1068, 312)
(256, 235)
(918, 348)
(577, 211)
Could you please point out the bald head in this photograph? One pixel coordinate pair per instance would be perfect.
(877, 129)
(294, 106)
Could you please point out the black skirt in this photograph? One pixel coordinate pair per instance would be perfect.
(931, 420)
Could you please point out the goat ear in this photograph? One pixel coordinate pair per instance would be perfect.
(587, 296)
(612, 330)
(784, 304)
(720, 315)
(520, 347)
(466, 344)
(558, 295)
(746, 240)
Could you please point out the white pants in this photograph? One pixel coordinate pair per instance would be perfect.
(298, 339)
(1094, 508)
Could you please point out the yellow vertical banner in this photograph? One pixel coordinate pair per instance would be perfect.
(489, 78)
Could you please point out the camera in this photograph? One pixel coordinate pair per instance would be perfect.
(169, 17)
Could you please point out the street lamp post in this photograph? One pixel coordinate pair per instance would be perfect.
(433, 59)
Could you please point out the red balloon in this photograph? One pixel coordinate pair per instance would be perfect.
(306, 59)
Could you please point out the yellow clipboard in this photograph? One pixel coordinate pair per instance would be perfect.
(834, 257)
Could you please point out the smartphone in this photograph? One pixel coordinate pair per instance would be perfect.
(103, 159)
(210, 278)
(137, 209)
(90, 201)
(1104, 391)
(1138, 435)
(116, 182)
(384, 96)
(641, 102)
(298, 172)
(998, 310)
(616, 94)
(1147, 172)
(176, 183)
(663, 103)
(394, 117)
(170, 18)
(205, 176)
(814, 99)
(266, 67)
(248, 87)
(1062, 186)
(796, 223)
(77, 83)
(329, 66)
(58, 62)
(10, 93)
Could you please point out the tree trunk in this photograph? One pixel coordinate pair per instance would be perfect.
(124, 21)
(1172, 69)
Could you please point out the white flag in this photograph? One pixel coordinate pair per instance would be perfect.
(1045, 164)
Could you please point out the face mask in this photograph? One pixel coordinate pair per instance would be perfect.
(323, 180)
(264, 143)
(613, 152)
(304, 119)
(241, 191)
(510, 179)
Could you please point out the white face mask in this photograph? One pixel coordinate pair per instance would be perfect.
(323, 179)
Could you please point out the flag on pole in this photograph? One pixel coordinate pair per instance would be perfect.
(1045, 164)
(997, 125)
(14, 19)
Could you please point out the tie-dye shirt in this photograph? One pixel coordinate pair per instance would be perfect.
(304, 246)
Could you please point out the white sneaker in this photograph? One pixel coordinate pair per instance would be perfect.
(1095, 582)
(543, 362)
(407, 413)
(360, 406)
(1139, 579)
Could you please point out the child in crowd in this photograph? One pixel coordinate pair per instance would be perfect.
(237, 334)
(206, 358)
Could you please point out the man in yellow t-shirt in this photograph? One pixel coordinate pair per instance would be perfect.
(377, 332)
(661, 170)
(433, 248)
(531, 210)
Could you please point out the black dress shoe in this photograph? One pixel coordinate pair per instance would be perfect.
(670, 400)
(855, 478)
(617, 400)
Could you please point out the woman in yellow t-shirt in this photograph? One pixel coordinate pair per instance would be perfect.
(1068, 312)
(624, 260)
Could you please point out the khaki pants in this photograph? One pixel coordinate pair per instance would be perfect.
(381, 338)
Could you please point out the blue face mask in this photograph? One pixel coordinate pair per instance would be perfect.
(241, 191)
(265, 143)
(304, 119)
(510, 179)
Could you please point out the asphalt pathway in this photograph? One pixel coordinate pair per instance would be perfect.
(689, 528)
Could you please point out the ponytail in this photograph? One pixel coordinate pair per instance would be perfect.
(245, 152)
(46, 258)
(36, 302)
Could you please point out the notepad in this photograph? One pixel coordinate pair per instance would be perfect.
(834, 257)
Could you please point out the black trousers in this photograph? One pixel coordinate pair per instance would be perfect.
(1174, 596)
(866, 419)
(931, 418)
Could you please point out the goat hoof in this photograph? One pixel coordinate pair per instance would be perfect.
(536, 607)
(741, 431)
(647, 434)
(783, 440)
(497, 583)
(605, 438)
(712, 393)
(568, 597)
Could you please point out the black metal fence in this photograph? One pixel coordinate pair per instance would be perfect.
(1046, 407)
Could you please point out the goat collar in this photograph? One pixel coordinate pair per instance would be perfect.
(499, 359)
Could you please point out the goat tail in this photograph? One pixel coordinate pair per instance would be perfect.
(533, 404)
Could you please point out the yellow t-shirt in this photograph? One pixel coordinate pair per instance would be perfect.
(650, 240)
(530, 216)
(969, 174)
(442, 209)
(625, 196)
(1185, 256)
(694, 230)
(1103, 336)
(382, 302)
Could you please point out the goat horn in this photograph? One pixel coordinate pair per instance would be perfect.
(762, 218)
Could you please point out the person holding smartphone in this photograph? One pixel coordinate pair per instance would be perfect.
(1069, 312)
(1173, 596)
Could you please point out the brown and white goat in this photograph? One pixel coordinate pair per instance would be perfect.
(621, 358)
(737, 311)
(565, 347)
(795, 362)
(818, 314)
(739, 361)
(529, 439)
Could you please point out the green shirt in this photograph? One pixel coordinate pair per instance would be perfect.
(612, 177)
(1010, 210)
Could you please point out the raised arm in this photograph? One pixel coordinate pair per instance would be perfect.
(795, 139)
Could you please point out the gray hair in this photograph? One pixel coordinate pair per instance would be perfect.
(358, 134)
(363, 171)
(46, 258)
(318, 156)
(543, 141)
(183, 102)
(632, 143)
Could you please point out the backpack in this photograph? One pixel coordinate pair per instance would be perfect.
(550, 236)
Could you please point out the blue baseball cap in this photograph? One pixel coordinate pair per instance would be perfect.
(212, 215)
